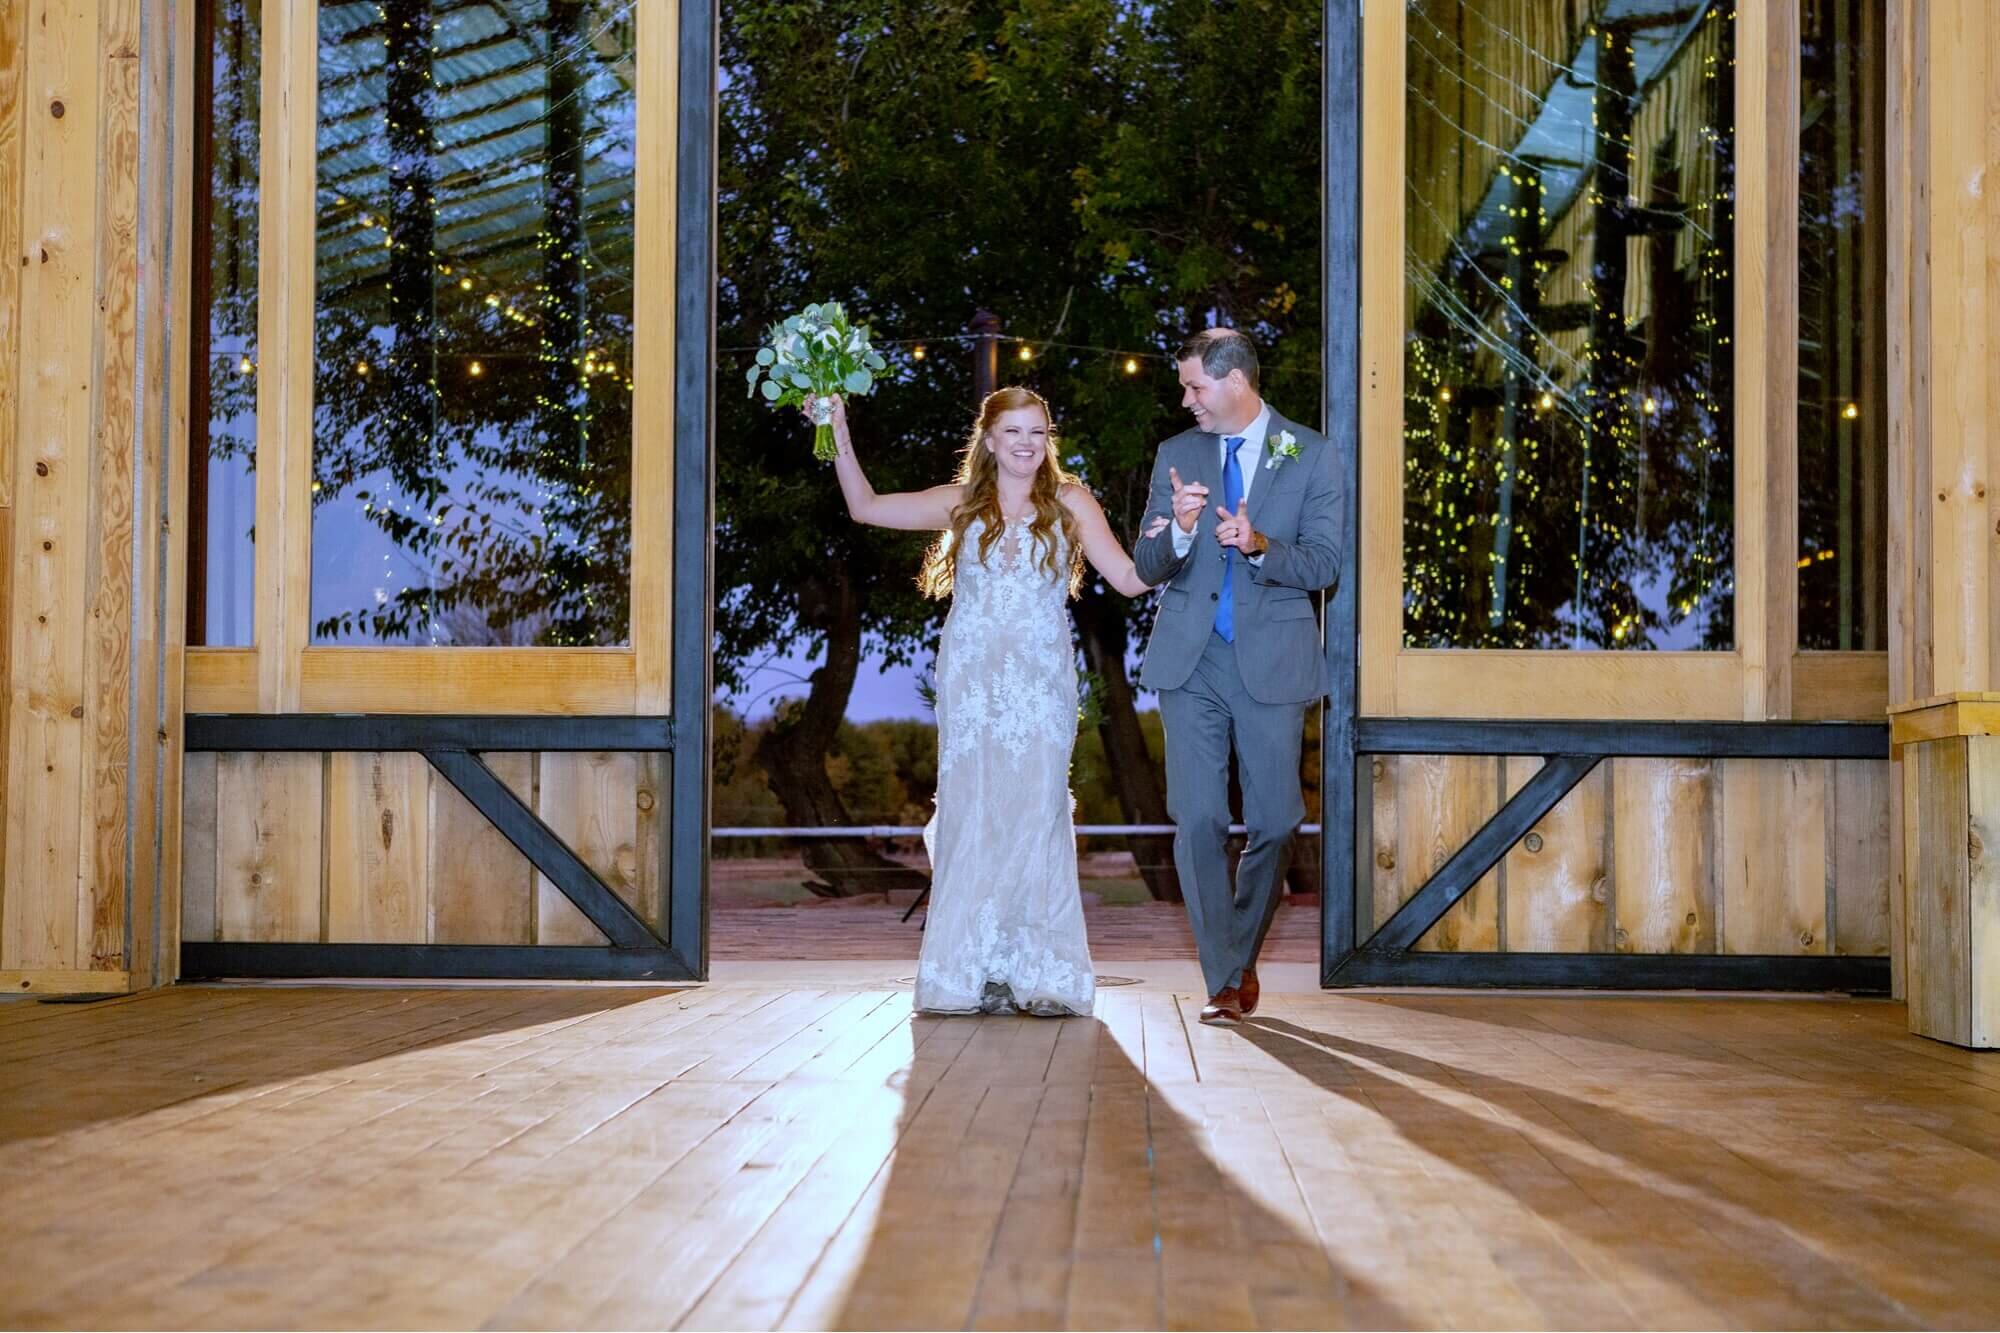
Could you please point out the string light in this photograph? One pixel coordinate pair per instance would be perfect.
(245, 365)
(1851, 412)
(361, 368)
(475, 370)
(1131, 365)
(917, 352)
(1027, 352)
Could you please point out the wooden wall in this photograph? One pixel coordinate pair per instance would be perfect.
(390, 852)
(1739, 856)
(88, 644)
(1943, 192)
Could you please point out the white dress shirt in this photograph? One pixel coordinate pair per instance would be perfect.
(1250, 457)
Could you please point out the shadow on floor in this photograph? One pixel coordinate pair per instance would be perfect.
(69, 1066)
(1749, 1237)
(1154, 1234)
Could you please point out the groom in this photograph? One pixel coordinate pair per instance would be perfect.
(1235, 654)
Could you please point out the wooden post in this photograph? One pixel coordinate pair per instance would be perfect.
(83, 503)
(985, 330)
(1944, 296)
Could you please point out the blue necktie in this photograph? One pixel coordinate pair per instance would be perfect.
(1232, 496)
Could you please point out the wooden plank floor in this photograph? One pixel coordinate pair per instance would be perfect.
(807, 1156)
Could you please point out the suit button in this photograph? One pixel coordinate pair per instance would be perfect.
(1215, 597)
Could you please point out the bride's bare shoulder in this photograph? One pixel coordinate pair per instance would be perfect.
(1076, 498)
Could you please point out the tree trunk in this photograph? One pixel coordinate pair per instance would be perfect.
(793, 752)
(1135, 777)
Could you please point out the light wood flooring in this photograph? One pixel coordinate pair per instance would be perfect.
(805, 1154)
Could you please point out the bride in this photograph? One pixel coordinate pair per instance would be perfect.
(1005, 931)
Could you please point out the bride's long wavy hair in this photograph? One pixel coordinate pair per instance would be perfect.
(979, 473)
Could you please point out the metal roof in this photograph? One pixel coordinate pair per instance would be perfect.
(491, 72)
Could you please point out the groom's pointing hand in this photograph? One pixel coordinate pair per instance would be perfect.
(1234, 530)
(1189, 497)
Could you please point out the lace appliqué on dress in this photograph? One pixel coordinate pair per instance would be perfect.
(1005, 929)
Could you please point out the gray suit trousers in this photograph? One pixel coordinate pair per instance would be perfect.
(1205, 718)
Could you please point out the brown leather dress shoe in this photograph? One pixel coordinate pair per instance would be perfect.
(1248, 990)
(1224, 1009)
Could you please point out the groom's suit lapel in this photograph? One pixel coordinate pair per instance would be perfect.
(1272, 477)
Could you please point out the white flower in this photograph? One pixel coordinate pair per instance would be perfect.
(1281, 449)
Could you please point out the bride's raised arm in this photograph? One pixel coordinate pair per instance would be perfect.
(1100, 546)
(908, 510)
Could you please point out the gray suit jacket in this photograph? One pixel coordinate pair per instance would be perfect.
(1278, 638)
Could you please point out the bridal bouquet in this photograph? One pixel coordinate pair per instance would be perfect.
(814, 354)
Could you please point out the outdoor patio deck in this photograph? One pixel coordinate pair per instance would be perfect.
(788, 1146)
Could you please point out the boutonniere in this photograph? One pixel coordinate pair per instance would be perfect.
(1280, 448)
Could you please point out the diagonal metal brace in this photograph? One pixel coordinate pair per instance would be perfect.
(544, 850)
(1481, 852)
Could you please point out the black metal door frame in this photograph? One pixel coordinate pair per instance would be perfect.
(1570, 749)
(636, 949)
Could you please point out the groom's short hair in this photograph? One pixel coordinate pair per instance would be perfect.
(1221, 351)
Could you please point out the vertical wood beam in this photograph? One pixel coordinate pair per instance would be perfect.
(52, 524)
(1779, 438)
(1383, 312)
(287, 166)
(13, 35)
(156, 954)
(1766, 366)
(653, 356)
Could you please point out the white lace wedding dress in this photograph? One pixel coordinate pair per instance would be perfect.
(1005, 930)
